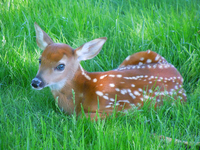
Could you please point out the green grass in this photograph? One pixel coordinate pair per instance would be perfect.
(29, 119)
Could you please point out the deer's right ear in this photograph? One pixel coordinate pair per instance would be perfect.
(90, 49)
(42, 38)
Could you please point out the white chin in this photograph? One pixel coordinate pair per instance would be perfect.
(56, 87)
(37, 88)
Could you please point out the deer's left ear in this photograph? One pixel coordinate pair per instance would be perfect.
(90, 49)
(42, 37)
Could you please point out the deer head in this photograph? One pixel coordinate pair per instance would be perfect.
(59, 62)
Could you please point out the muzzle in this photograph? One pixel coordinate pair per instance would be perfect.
(37, 83)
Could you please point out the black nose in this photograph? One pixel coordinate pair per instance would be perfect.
(36, 83)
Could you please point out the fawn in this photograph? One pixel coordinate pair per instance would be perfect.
(143, 76)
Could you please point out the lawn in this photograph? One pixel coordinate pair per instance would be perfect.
(30, 119)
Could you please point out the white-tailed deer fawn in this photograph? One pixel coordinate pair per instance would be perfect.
(143, 76)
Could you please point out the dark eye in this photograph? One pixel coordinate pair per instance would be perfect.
(60, 67)
(39, 61)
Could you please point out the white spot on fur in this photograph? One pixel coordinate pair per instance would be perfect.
(166, 66)
(133, 67)
(156, 93)
(132, 85)
(133, 96)
(146, 96)
(182, 80)
(138, 67)
(112, 85)
(99, 93)
(108, 106)
(101, 77)
(150, 91)
(149, 60)
(132, 105)
(94, 80)
(139, 89)
(117, 89)
(105, 97)
(176, 87)
(129, 90)
(160, 66)
(111, 75)
(158, 100)
(84, 74)
(123, 91)
(140, 63)
(154, 66)
(180, 97)
(124, 101)
(142, 58)
(166, 92)
(137, 93)
(180, 92)
(149, 66)
(152, 77)
(157, 57)
(127, 58)
(112, 99)
(184, 94)
(119, 75)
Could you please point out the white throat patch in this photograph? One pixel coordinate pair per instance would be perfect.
(58, 86)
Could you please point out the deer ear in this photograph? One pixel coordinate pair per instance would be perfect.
(90, 49)
(42, 38)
